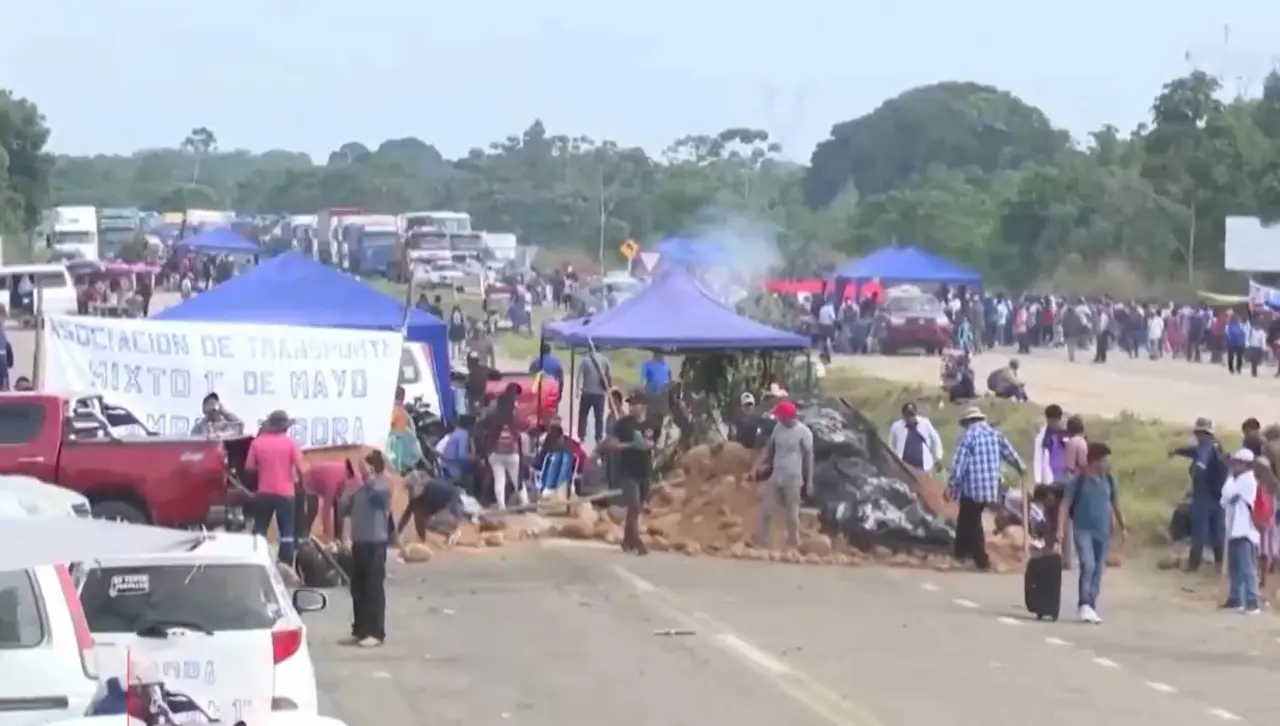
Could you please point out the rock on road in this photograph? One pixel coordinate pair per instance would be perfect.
(563, 633)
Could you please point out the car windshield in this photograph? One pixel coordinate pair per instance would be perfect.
(379, 239)
(128, 598)
(913, 305)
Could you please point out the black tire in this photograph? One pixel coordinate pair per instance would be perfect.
(119, 511)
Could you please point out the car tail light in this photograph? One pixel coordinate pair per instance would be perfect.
(280, 703)
(284, 643)
(84, 638)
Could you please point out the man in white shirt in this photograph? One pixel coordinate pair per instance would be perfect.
(915, 440)
(1255, 345)
(1238, 496)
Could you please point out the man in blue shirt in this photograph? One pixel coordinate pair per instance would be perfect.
(547, 364)
(655, 374)
(1208, 474)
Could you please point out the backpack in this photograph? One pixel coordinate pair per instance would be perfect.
(1263, 510)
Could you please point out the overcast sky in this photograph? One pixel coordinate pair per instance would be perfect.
(118, 75)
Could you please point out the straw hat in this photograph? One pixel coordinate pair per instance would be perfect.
(973, 413)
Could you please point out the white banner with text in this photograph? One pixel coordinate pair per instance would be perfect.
(338, 385)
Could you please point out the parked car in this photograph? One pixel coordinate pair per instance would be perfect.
(49, 669)
(39, 498)
(144, 479)
(218, 619)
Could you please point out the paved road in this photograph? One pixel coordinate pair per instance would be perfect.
(556, 634)
(1174, 391)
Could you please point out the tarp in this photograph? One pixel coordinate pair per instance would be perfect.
(294, 289)
(220, 239)
(893, 265)
(672, 313)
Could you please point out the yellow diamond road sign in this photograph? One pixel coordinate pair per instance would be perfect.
(629, 249)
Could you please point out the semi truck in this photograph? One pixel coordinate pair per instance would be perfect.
(74, 232)
(327, 247)
(117, 227)
(369, 241)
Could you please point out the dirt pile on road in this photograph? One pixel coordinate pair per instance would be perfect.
(714, 507)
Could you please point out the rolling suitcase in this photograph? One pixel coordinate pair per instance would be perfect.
(1043, 585)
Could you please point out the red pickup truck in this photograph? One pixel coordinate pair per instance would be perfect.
(156, 480)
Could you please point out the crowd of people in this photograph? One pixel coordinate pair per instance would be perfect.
(1073, 509)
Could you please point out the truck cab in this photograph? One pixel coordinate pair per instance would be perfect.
(143, 479)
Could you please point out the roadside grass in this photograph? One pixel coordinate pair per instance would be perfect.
(1150, 483)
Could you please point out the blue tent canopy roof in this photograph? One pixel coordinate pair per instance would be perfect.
(294, 289)
(674, 312)
(220, 239)
(691, 250)
(907, 264)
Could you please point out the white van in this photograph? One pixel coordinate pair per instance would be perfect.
(57, 290)
(418, 376)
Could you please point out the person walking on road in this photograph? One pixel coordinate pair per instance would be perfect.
(630, 443)
(787, 465)
(974, 482)
(1089, 505)
(1208, 473)
(1256, 346)
(369, 507)
(1239, 494)
(594, 381)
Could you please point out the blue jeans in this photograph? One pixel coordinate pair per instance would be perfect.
(1091, 554)
(282, 508)
(1242, 573)
(1207, 528)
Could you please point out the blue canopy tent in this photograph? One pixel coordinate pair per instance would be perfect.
(220, 239)
(294, 289)
(691, 251)
(673, 313)
(895, 265)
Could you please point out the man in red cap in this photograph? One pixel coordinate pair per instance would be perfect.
(787, 460)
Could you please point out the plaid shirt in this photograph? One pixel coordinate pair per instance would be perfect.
(975, 471)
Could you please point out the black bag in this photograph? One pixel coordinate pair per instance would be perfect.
(1043, 585)
(316, 569)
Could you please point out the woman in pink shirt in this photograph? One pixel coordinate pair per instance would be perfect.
(278, 463)
(324, 483)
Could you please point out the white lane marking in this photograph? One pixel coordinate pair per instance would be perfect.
(578, 543)
(753, 654)
(930, 587)
(1161, 687)
(1106, 662)
(639, 583)
(1223, 714)
(1006, 620)
(1055, 641)
(829, 705)
(965, 603)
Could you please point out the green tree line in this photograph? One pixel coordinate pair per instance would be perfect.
(963, 169)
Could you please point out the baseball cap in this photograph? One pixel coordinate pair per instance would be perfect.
(1243, 455)
(785, 411)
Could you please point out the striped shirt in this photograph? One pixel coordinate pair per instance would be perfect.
(975, 470)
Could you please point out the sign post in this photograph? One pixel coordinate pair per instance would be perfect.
(628, 249)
